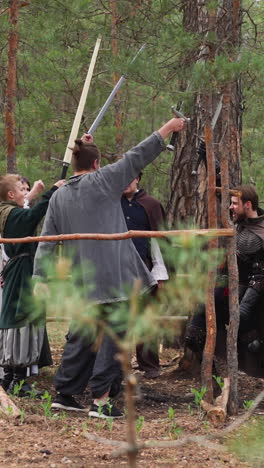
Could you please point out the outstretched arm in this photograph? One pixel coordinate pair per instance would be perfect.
(116, 177)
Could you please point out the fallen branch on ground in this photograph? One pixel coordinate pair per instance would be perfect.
(124, 447)
(217, 413)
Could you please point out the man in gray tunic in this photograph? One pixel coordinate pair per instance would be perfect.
(90, 203)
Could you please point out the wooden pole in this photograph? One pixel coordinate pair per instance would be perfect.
(232, 330)
(209, 349)
(121, 235)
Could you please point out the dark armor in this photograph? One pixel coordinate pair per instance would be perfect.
(250, 258)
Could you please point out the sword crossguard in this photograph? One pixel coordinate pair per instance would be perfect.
(171, 145)
(179, 114)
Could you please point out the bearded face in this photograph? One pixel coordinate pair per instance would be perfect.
(238, 209)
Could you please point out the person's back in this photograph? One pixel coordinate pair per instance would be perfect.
(90, 203)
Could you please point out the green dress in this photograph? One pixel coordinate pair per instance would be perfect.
(20, 340)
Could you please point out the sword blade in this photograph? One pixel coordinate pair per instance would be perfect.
(110, 98)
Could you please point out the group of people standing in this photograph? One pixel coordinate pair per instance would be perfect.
(99, 200)
(88, 202)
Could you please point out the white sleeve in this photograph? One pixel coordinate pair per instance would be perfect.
(5, 258)
(159, 271)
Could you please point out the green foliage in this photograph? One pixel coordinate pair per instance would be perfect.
(189, 259)
(139, 423)
(247, 404)
(219, 380)
(9, 410)
(56, 41)
(247, 444)
(22, 415)
(174, 429)
(46, 406)
(18, 387)
(198, 396)
(66, 296)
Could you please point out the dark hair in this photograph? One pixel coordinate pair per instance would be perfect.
(7, 184)
(248, 194)
(24, 180)
(84, 155)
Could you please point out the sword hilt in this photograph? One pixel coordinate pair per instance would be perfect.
(172, 143)
(64, 170)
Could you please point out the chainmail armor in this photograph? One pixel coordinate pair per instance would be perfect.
(250, 256)
(248, 244)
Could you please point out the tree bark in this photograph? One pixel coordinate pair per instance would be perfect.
(117, 100)
(188, 198)
(209, 349)
(10, 94)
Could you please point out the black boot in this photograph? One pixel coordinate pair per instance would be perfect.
(19, 387)
(8, 377)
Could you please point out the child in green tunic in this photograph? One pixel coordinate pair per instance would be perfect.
(20, 340)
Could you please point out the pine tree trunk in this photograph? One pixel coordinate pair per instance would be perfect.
(188, 199)
(10, 95)
(117, 100)
(222, 140)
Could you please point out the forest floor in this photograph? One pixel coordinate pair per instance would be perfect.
(165, 410)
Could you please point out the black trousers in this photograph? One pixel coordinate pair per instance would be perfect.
(249, 303)
(82, 364)
(147, 357)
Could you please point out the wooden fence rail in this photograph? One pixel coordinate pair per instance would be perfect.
(121, 235)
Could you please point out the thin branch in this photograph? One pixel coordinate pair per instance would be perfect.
(205, 441)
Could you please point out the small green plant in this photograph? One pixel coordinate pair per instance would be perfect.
(219, 380)
(18, 387)
(174, 429)
(110, 423)
(190, 410)
(33, 392)
(206, 425)
(100, 412)
(109, 420)
(22, 415)
(171, 413)
(84, 426)
(139, 423)
(198, 396)
(9, 410)
(109, 405)
(63, 415)
(46, 405)
(247, 404)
